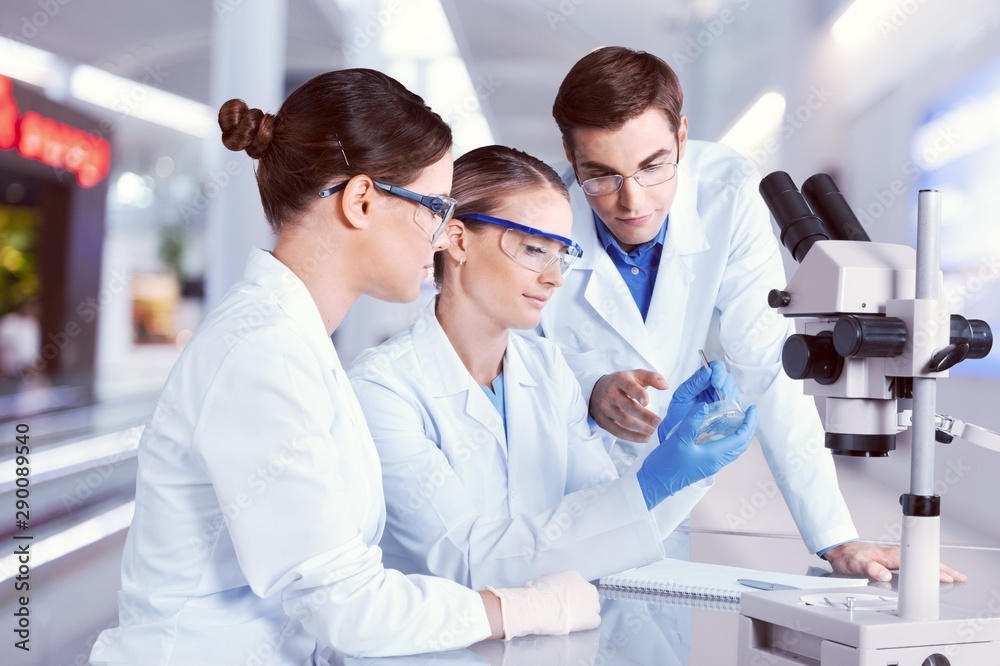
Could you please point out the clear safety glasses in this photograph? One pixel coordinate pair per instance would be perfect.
(535, 250)
(651, 175)
(433, 214)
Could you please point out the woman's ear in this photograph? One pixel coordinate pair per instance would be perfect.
(457, 239)
(358, 202)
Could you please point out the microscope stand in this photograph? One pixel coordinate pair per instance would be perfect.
(777, 629)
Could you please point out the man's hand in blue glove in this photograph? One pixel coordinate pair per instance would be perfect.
(698, 389)
(678, 462)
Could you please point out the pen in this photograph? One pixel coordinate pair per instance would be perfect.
(764, 585)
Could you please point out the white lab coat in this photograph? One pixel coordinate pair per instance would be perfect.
(470, 502)
(720, 255)
(259, 505)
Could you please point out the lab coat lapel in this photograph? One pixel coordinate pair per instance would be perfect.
(448, 377)
(675, 277)
(532, 456)
(605, 289)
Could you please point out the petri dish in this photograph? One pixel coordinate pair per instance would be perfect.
(723, 418)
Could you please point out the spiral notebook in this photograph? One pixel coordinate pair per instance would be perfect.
(709, 585)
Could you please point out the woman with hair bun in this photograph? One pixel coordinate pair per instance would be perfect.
(259, 501)
(492, 473)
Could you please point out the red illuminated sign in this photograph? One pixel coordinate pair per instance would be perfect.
(60, 146)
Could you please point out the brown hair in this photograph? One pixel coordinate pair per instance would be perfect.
(486, 177)
(333, 127)
(612, 85)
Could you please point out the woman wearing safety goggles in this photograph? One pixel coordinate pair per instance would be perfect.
(491, 471)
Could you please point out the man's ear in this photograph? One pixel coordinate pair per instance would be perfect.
(682, 137)
(358, 202)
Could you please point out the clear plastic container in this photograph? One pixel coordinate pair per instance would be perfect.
(724, 417)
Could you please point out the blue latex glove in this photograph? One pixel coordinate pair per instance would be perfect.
(698, 389)
(678, 462)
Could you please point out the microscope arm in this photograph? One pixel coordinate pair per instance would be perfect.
(948, 428)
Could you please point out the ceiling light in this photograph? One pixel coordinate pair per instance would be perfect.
(26, 63)
(757, 125)
(141, 100)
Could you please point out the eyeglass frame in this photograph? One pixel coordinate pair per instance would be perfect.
(434, 202)
(622, 178)
(531, 231)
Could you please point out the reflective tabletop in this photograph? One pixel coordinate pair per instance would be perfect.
(667, 631)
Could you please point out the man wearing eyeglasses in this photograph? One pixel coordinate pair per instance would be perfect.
(674, 231)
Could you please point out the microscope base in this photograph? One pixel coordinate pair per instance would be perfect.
(775, 628)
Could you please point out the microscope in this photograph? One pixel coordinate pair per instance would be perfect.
(875, 329)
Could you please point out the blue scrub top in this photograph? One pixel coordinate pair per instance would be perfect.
(496, 396)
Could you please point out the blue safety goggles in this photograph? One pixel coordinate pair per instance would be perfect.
(441, 208)
(532, 248)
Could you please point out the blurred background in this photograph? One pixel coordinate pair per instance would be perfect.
(123, 219)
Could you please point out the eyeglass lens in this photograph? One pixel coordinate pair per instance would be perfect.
(654, 175)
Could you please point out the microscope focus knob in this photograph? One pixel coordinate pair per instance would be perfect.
(812, 357)
(975, 332)
(778, 298)
(869, 336)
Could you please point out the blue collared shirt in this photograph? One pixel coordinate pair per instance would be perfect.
(639, 267)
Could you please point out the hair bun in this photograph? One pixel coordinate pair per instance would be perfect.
(244, 128)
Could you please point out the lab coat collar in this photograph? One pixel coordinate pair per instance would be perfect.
(517, 366)
(686, 233)
(288, 292)
(439, 359)
(448, 376)
(607, 292)
(675, 276)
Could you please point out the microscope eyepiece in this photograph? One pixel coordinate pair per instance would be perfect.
(825, 198)
(800, 228)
